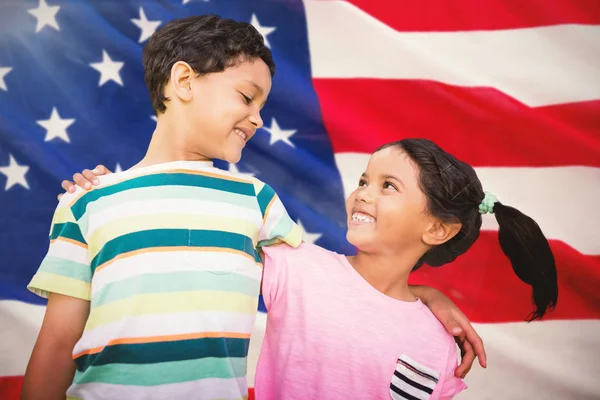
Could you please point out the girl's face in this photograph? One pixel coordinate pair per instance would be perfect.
(387, 211)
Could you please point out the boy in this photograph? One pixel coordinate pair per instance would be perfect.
(157, 270)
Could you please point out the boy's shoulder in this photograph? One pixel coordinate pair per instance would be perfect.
(244, 177)
(69, 199)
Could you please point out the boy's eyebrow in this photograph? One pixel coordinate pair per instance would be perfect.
(256, 85)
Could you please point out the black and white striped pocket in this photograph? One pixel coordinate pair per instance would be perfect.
(412, 381)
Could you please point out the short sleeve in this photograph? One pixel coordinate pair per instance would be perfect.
(274, 273)
(452, 385)
(66, 268)
(277, 226)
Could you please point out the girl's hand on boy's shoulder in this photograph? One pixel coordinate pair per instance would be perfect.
(86, 179)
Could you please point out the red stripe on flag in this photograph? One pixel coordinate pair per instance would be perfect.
(10, 387)
(485, 288)
(481, 126)
(468, 15)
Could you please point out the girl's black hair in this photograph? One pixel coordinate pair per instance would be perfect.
(454, 194)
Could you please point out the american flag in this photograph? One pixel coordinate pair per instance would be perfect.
(512, 87)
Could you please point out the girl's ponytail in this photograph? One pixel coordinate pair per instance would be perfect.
(528, 250)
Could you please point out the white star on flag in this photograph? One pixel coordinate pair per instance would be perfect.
(109, 69)
(56, 127)
(147, 27)
(278, 134)
(3, 72)
(263, 30)
(15, 174)
(118, 168)
(153, 118)
(308, 237)
(45, 15)
(233, 168)
(187, 1)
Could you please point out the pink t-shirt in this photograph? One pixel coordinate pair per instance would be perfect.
(331, 335)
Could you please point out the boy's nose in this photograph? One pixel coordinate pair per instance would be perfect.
(256, 120)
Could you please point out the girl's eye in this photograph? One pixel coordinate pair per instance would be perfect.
(247, 99)
(362, 182)
(389, 185)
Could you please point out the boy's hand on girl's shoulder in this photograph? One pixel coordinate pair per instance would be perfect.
(86, 179)
(470, 343)
(457, 324)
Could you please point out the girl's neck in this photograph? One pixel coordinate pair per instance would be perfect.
(386, 273)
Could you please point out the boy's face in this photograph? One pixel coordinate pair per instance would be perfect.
(225, 109)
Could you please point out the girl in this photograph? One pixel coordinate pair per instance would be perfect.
(349, 327)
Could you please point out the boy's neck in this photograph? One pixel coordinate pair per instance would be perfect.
(168, 144)
(386, 273)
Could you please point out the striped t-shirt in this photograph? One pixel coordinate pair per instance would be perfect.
(167, 256)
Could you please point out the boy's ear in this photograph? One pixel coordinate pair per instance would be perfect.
(440, 232)
(182, 76)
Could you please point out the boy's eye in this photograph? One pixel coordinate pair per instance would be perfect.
(247, 99)
(362, 182)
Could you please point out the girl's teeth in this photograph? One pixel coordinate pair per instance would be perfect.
(362, 218)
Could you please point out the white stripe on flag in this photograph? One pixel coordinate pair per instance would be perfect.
(19, 327)
(538, 66)
(540, 360)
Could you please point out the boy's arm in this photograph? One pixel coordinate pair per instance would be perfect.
(51, 367)
(457, 324)
(277, 226)
(64, 277)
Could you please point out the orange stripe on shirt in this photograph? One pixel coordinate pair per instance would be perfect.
(164, 338)
(68, 240)
(268, 208)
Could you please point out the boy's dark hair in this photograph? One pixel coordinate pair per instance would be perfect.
(208, 43)
(454, 193)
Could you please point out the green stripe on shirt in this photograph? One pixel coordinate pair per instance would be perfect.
(265, 197)
(67, 230)
(173, 238)
(164, 373)
(66, 268)
(163, 180)
(161, 352)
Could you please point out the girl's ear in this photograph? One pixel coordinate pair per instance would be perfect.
(440, 232)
